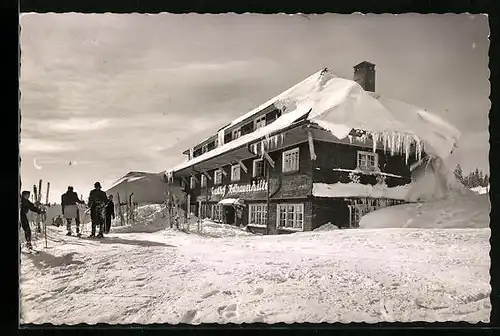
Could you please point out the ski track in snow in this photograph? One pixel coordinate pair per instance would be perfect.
(339, 276)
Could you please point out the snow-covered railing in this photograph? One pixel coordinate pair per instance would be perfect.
(364, 172)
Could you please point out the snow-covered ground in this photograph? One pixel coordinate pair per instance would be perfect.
(169, 276)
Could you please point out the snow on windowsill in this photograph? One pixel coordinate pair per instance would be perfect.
(258, 225)
(359, 190)
(290, 229)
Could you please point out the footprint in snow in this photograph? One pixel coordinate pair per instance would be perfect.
(228, 311)
(209, 294)
(258, 291)
(188, 316)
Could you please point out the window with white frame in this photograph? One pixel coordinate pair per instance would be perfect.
(260, 122)
(290, 216)
(218, 177)
(291, 160)
(192, 182)
(236, 134)
(203, 181)
(217, 212)
(367, 161)
(235, 172)
(257, 214)
(204, 149)
(258, 168)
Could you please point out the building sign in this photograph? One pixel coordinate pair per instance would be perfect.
(244, 188)
(221, 190)
(240, 188)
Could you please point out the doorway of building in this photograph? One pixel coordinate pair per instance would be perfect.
(229, 214)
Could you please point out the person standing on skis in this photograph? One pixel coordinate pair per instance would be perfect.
(69, 205)
(26, 206)
(110, 213)
(97, 204)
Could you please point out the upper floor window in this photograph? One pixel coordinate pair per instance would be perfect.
(203, 181)
(192, 182)
(218, 177)
(235, 172)
(260, 122)
(258, 168)
(236, 133)
(291, 160)
(204, 149)
(367, 161)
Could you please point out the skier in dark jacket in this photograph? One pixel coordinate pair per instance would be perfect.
(110, 213)
(97, 204)
(69, 201)
(26, 206)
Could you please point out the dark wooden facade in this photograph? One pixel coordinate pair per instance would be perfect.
(331, 154)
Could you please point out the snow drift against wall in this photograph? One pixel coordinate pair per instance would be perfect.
(471, 211)
(359, 190)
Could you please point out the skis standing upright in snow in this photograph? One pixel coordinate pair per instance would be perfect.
(35, 198)
(45, 216)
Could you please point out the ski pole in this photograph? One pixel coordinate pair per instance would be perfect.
(45, 229)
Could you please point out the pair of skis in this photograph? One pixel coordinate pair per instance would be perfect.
(37, 194)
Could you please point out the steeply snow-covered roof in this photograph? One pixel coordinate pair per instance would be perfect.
(340, 105)
(130, 177)
(305, 84)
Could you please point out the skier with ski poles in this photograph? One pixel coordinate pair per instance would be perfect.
(26, 206)
(97, 204)
(110, 213)
(69, 205)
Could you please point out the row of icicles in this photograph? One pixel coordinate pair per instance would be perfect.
(395, 142)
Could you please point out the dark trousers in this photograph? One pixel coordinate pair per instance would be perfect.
(77, 221)
(97, 220)
(107, 224)
(25, 224)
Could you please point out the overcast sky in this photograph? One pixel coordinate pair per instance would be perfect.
(116, 93)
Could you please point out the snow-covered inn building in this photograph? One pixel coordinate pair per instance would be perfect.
(326, 150)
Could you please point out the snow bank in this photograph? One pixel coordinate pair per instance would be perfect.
(471, 211)
(326, 227)
(148, 218)
(212, 229)
(359, 190)
(433, 180)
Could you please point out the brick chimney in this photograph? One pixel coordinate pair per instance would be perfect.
(364, 75)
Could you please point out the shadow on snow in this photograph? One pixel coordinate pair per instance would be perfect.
(43, 260)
